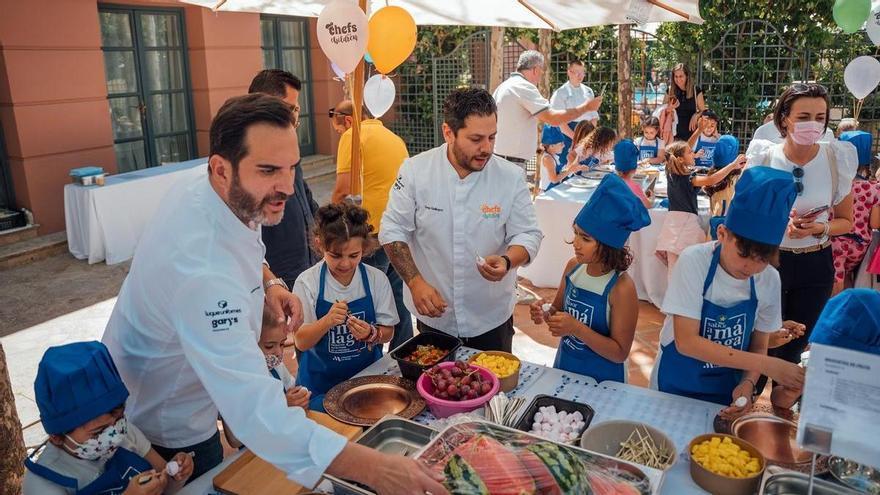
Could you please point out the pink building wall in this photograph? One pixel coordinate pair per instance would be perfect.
(53, 95)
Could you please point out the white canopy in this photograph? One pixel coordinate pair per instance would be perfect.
(542, 14)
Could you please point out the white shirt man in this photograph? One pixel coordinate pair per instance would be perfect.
(458, 223)
(521, 107)
(573, 93)
(184, 330)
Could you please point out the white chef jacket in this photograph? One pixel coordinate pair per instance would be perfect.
(448, 222)
(519, 102)
(184, 333)
(569, 96)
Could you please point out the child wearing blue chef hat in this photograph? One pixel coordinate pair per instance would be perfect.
(91, 448)
(850, 320)
(596, 308)
(723, 302)
(626, 161)
(552, 172)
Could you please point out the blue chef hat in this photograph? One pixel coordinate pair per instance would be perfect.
(612, 213)
(76, 383)
(726, 150)
(626, 156)
(761, 204)
(850, 320)
(862, 141)
(551, 134)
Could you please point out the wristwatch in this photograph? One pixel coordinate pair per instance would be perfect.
(506, 260)
(275, 281)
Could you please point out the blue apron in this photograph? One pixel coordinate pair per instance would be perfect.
(337, 356)
(708, 159)
(647, 151)
(123, 466)
(731, 327)
(563, 156)
(588, 308)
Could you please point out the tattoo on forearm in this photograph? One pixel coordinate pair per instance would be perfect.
(401, 257)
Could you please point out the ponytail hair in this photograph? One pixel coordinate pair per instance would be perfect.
(675, 159)
(336, 224)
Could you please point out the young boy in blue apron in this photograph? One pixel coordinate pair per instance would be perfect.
(91, 448)
(704, 139)
(723, 301)
(271, 343)
(596, 309)
(348, 307)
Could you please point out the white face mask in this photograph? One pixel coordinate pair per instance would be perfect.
(102, 447)
(273, 360)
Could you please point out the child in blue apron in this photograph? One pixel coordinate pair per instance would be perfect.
(626, 162)
(594, 149)
(552, 171)
(272, 336)
(596, 308)
(91, 448)
(704, 139)
(348, 307)
(724, 301)
(650, 145)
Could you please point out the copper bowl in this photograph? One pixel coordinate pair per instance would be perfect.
(774, 437)
(364, 400)
(719, 484)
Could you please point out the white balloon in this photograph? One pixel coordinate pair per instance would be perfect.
(862, 75)
(342, 33)
(872, 25)
(379, 93)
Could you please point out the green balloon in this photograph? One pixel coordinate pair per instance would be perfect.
(851, 14)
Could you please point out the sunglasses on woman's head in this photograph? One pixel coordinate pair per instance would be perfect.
(798, 174)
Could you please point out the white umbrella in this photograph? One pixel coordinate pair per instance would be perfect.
(541, 14)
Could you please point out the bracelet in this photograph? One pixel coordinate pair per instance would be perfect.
(374, 334)
(825, 231)
(506, 260)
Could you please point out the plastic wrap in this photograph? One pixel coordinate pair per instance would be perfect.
(481, 458)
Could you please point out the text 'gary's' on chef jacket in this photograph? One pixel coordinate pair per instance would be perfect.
(448, 221)
(184, 337)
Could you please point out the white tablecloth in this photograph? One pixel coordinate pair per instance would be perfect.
(106, 222)
(556, 210)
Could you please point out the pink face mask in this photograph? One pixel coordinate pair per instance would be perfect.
(807, 133)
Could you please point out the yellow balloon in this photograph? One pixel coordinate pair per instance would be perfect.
(392, 38)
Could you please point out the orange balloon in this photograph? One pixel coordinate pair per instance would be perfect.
(392, 38)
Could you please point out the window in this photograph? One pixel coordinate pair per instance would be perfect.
(285, 43)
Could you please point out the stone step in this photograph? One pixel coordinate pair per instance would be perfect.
(318, 166)
(30, 250)
(18, 234)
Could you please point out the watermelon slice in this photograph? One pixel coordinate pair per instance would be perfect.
(497, 466)
(566, 467)
(545, 483)
(462, 479)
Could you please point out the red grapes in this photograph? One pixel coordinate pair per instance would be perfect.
(458, 382)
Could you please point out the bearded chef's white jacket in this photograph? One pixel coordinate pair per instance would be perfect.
(184, 336)
(448, 221)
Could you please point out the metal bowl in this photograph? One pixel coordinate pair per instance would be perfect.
(863, 478)
(366, 399)
(774, 437)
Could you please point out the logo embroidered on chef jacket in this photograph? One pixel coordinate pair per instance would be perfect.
(222, 304)
(490, 211)
(223, 319)
(398, 183)
(727, 331)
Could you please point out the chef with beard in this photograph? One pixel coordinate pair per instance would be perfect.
(184, 329)
(459, 222)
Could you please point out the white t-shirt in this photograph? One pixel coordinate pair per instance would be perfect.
(570, 96)
(816, 180)
(684, 296)
(308, 285)
(769, 132)
(85, 472)
(519, 102)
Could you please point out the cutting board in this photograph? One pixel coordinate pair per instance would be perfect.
(250, 475)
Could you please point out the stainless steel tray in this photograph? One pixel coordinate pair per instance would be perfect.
(390, 435)
(779, 482)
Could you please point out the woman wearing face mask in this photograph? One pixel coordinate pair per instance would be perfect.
(92, 449)
(823, 174)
